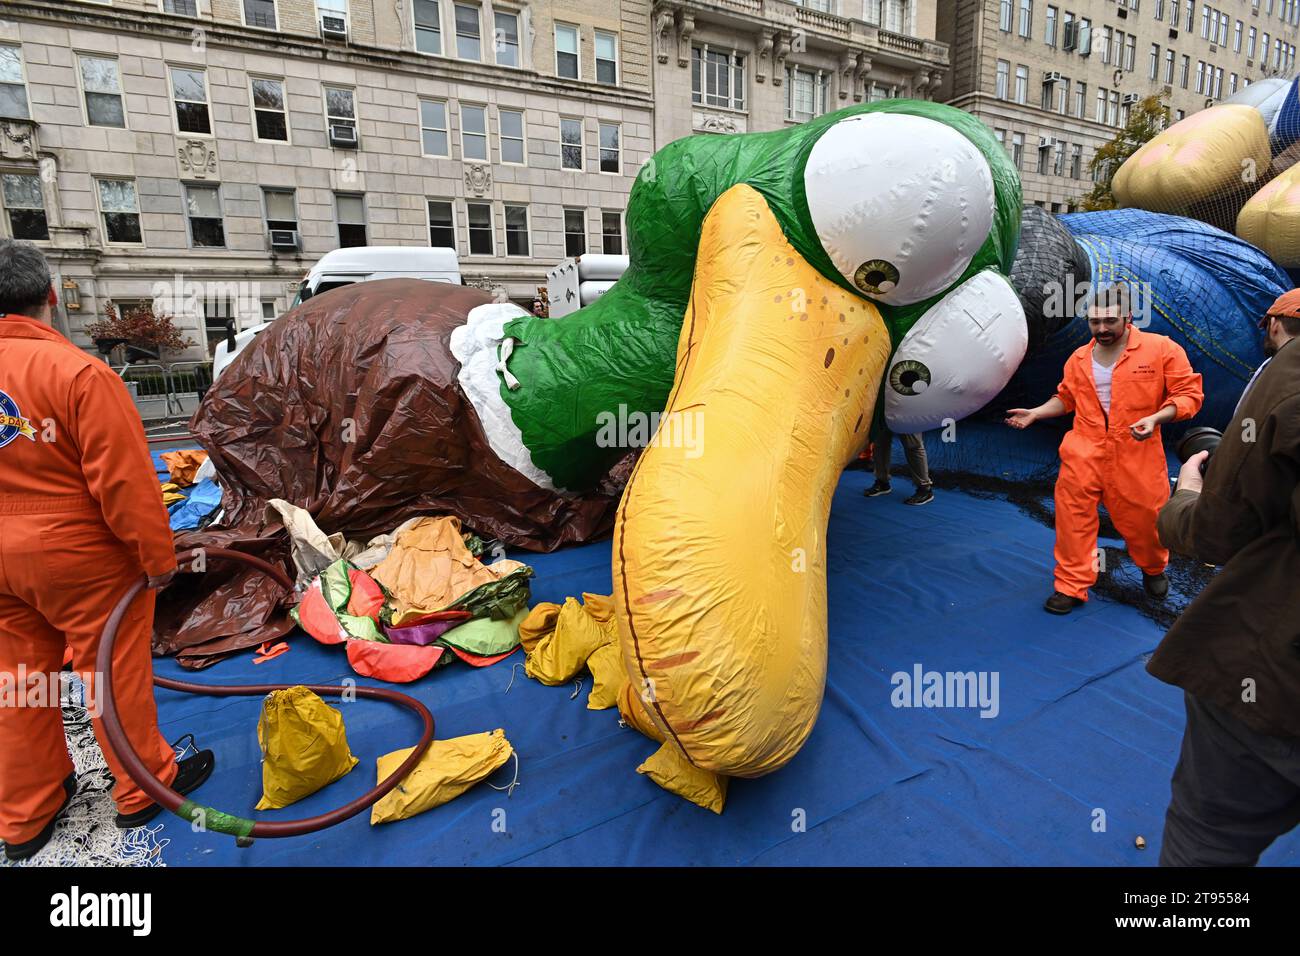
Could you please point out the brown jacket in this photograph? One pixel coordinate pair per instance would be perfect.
(1241, 636)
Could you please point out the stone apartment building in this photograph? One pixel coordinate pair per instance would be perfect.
(207, 152)
(726, 66)
(1057, 80)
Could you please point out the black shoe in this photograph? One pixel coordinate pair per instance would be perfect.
(14, 852)
(191, 775)
(878, 489)
(1060, 603)
(923, 496)
(1156, 585)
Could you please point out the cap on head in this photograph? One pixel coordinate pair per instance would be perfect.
(1287, 306)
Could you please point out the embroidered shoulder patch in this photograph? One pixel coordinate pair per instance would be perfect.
(12, 422)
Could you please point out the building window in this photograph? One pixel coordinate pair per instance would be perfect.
(24, 206)
(1003, 77)
(203, 209)
(1017, 149)
(190, 93)
(1160, 9)
(506, 38)
(433, 128)
(570, 143)
(717, 77)
(1130, 52)
(1099, 115)
(805, 93)
(1250, 43)
(442, 224)
(1200, 76)
(611, 233)
(13, 90)
(280, 209)
(120, 209)
(1184, 70)
(184, 8)
(259, 13)
(1044, 159)
(473, 132)
(341, 110)
(610, 152)
(1063, 101)
(1022, 84)
(512, 136)
(101, 84)
(1025, 25)
(606, 58)
(468, 32)
(481, 242)
(1049, 32)
(575, 232)
(516, 230)
(1004, 16)
(898, 16)
(352, 219)
(1223, 29)
(1112, 113)
(1076, 161)
(566, 51)
(1154, 65)
(268, 110)
(1169, 66)
(428, 28)
(1080, 99)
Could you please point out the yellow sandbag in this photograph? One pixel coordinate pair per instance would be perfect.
(1208, 154)
(538, 624)
(671, 771)
(607, 675)
(1270, 221)
(447, 769)
(560, 656)
(783, 367)
(304, 746)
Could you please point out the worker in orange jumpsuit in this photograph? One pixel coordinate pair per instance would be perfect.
(81, 518)
(1121, 387)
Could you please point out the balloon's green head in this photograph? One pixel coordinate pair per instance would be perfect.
(912, 205)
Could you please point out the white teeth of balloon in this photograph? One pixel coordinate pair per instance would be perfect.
(957, 357)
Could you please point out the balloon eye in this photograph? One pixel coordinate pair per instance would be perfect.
(909, 377)
(876, 276)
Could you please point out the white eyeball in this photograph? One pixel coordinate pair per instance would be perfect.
(957, 357)
(900, 203)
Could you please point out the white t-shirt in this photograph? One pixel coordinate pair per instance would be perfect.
(1101, 375)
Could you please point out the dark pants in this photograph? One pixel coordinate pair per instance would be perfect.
(913, 450)
(1235, 791)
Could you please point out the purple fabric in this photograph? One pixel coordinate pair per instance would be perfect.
(423, 634)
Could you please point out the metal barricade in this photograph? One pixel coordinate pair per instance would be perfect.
(150, 388)
(188, 382)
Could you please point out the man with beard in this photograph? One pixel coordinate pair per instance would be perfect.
(1235, 651)
(1121, 387)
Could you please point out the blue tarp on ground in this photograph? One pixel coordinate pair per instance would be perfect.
(954, 586)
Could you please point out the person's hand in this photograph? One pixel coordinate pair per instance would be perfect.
(1021, 417)
(157, 581)
(1143, 428)
(1189, 476)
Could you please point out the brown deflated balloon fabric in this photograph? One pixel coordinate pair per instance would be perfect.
(348, 406)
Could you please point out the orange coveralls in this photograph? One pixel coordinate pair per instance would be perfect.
(81, 517)
(1101, 462)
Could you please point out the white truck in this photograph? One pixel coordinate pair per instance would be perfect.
(581, 280)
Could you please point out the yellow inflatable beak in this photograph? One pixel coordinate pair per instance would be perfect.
(720, 540)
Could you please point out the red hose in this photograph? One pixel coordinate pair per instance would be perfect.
(239, 827)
